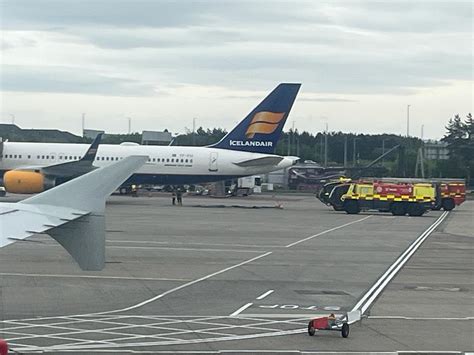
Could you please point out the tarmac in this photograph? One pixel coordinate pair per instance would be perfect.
(245, 276)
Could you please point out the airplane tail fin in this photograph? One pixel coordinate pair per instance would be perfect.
(260, 130)
(92, 151)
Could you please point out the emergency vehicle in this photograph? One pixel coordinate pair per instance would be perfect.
(400, 199)
(449, 192)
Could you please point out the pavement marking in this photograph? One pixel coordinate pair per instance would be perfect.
(176, 332)
(91, 277)
(261, 297)
(241, 309)
(369, 297)
(183, 249)
(193, 243)
(141, 304)
(325, 232)
(422, 318)
(164, 343)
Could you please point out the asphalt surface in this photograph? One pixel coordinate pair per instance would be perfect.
(214, 278)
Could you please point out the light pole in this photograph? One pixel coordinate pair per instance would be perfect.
(408, 120)
(383, 151)
(326, 147)
(129, 125)
(354, 151)
(194, 130)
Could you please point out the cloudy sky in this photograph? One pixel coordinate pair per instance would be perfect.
(163, 63)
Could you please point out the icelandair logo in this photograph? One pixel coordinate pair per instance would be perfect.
(250, 144)
(263, 122)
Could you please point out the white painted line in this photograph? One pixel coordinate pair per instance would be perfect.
(95, 347)
(90, 277)
(422, 318)
(184, 249)
(369, 297)
(241, 309)
(261, 297)
(138, 305)
(325, 232)
(141, 304)
(187, 243)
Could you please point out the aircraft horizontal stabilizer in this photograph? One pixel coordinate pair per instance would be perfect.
(71, 213)
(270, 160)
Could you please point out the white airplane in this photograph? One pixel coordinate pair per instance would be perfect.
(247, 150)
(72, 213)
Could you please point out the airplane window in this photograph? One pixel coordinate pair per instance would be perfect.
(154, 160)
(47, 157)
(19, 157)
(29, 156)
(37, 157)
(15, 156)
(42, 157)
(182, 160)
(190, 160)
(167, 160)
(107, 158)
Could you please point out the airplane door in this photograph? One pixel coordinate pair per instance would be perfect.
(213, 161)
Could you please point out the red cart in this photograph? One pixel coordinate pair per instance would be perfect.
(340, 324)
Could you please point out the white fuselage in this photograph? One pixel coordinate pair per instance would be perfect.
(166, 164)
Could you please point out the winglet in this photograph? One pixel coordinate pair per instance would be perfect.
(84, 238)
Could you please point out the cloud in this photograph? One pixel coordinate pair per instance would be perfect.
(68, 80)
(325, 99)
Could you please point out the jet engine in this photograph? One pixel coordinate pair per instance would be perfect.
(26, 182)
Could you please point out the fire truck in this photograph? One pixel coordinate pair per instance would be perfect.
(400, 199)
(449, 192)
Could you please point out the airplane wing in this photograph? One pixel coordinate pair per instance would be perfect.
(269, 160)
(71, 213)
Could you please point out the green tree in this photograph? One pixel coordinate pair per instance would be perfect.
(460, 139)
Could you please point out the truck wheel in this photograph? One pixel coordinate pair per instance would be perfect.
(345, 330)
(448, 204)
(351, 207)
(311, 330)
(338, 208)
(398, 209)
(415, 209)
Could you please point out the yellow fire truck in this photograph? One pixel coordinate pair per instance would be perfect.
(400, 199)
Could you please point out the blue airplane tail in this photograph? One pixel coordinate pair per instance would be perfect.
(260, 130)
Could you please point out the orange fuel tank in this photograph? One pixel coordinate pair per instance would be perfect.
(23, 182)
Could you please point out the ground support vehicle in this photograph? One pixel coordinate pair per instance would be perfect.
(399, 199)
(340, 324)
